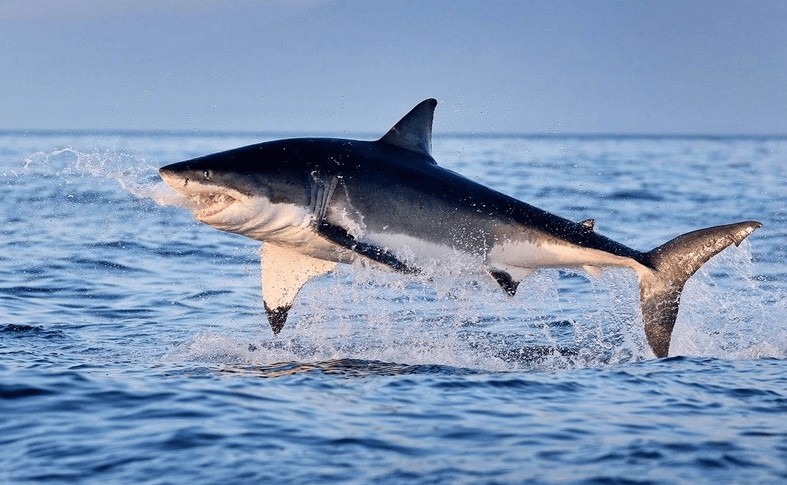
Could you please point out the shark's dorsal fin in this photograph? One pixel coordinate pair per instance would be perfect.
(284, 272)
(414, 131)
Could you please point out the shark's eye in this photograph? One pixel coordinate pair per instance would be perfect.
(206, 174)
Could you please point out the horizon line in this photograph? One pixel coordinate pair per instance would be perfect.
(299, 134)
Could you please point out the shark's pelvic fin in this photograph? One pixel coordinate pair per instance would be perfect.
(506, 282)
(284, 272)
(672, 265)
(508, 278)
(414, 131)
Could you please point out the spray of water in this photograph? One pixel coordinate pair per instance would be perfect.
(550, 325)
(727, 313)
(135, 175)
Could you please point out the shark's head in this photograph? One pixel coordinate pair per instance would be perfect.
(237, 191)
(211, 194)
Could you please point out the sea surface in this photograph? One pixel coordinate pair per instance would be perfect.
(134, 347)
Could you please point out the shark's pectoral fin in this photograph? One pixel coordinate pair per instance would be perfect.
(508, 278)
(340, 236)
(284, 272)
(277, 317)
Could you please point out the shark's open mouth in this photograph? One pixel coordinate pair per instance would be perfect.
(208, 205)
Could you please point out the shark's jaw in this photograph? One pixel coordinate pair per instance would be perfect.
(207, 203)
(207, 206)
(220, 208)
(241, 211)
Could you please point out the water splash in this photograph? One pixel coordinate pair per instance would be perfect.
(727, 313)
(360, 313)
(134, 174)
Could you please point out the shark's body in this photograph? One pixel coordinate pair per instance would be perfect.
(317, 202)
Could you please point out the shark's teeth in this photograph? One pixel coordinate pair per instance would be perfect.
(208, 205)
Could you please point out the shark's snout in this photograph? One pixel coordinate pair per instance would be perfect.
(205, 200)
(173, 177)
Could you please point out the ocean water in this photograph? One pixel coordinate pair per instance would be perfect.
(134, 347)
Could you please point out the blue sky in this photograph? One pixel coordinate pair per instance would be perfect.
(700, 67)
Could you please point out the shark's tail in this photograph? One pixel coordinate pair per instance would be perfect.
(672, 264)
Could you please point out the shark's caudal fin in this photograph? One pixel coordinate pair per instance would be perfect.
(672, 265)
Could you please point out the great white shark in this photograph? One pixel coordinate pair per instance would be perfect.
(316, 202)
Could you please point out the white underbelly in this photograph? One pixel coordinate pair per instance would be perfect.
(286, 225)
(516, 257)
(527, 254)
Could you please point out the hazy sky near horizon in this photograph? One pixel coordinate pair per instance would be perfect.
(328, 66)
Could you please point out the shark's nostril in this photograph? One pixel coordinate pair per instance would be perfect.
(185, 181)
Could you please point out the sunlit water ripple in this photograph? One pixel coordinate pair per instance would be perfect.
(134, 348)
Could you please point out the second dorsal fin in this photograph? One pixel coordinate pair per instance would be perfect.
(588, 224)
(414, 131)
